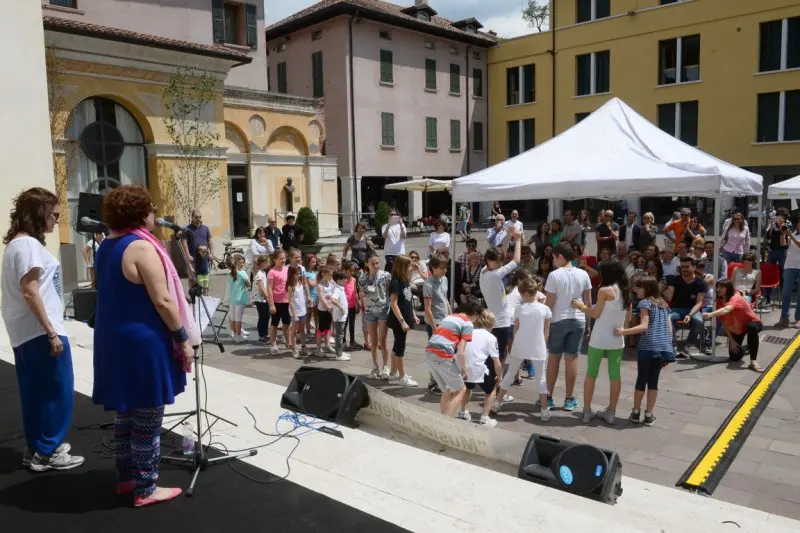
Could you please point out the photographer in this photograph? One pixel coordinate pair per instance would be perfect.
(791, 275)
(779, 223)
(394, 235)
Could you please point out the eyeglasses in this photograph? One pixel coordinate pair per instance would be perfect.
(55, 215)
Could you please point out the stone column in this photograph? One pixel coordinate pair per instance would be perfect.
(25, 146)
(260, 192)
(415, 203)
(349, 186)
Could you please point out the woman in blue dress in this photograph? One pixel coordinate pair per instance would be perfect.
(143, 340)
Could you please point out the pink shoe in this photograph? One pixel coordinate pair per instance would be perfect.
(125, 487)
(150, 500)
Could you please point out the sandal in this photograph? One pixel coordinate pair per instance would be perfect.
(755, 367)
(150, 500)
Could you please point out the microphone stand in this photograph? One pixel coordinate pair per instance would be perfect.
(199, 460)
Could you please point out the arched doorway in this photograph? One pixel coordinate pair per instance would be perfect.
(109, 151)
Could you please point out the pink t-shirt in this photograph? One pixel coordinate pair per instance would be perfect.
(278, 277)
(350, 293)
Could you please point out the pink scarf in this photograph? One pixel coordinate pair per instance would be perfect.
(175, 288)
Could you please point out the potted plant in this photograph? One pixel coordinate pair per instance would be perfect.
(381, 218)
(309, 225)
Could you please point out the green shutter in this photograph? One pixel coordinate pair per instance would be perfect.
(251, 12)
(431, 140)
(455, 78)
(387, 129)
(477, 82)
(455, 135)
(282, 82)
(317, 75)
(387, 74)
(430, 74)
(218, 20)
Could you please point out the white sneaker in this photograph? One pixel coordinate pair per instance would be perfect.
(507, 398)
(488, 422)
(63, 461)
(295, 354)
(385, 373)
(245, 333)
(497, 405)
(406, 381)
(320, 354)
(238, 339)
(329, 349)
(344, 356)
(274, 350)
(464, 415)
(394, 376)
(375, 374)
(546, 415)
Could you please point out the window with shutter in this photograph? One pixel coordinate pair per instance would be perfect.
(455, 135)
(477, 83)
(387, 129)
(251, 15)
(387, 70)
(513, 138)
(64, 3)
(282, 81)
(316, 75)
(477, 136)
(431, 140)
(455, 78)
(430, 74)
(218, 20)
(528, 134)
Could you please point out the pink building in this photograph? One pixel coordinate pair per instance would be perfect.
(405, 94)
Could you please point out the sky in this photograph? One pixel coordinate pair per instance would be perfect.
(502, 16)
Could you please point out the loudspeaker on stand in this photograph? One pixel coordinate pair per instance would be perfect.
(326, 393)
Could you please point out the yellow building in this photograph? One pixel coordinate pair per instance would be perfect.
(113, 132)
(723, 75)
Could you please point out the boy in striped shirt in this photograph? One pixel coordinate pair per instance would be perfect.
(445, 354)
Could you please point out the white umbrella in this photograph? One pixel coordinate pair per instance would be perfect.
(425, 185)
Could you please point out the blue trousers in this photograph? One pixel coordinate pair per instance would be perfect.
(790, 278)
(46, 386)
(695, 325)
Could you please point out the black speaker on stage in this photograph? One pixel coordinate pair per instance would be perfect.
(89, 205)
(326, 393)
(84, 301)
(572, 467)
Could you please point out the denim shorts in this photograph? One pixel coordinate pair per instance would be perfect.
(372, 317)
(566, 337)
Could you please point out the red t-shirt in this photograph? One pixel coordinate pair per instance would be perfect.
(742, 314)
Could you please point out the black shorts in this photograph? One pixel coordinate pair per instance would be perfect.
(489, 380)
(325, 320)
(281, 315)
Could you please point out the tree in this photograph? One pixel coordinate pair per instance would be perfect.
(537, 15)
(63, 149)
(309, 224)
(194, 177)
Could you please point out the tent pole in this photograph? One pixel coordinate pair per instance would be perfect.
(759, 230)
(453, 253)
(715, 262)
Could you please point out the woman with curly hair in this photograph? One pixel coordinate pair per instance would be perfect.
(142, 348)
(33, 315)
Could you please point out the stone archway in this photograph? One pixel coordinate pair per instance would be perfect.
(287, 141)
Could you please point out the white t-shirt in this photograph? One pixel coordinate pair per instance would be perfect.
(257, 295)
(529, 340)
(671, 268)
(92, 246)
(323, 292)
(513, 300)
(567, 283)
(300, 300)
(482, 346)
(517, 225)
(439, 240)
(394, 244)
(21, 256)
(339, 315)
(792, 256)
(491, 282)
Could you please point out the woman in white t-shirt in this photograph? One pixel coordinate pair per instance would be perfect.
(610, 313)
(483, 367)
(494, 291)
(439, 238)
(89, 251)
(394, 239)
(33, 313)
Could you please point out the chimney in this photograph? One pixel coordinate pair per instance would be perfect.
(420, 2)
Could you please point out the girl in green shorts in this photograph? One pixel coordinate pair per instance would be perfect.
(611, 312)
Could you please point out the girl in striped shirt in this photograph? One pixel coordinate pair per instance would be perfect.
(655, 346)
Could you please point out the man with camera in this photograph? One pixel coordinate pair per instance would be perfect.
(394, 239)
(778, 243)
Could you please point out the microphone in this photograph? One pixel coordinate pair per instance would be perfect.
(161, 223)
(90, 222)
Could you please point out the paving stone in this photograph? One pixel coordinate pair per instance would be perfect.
(788, 448)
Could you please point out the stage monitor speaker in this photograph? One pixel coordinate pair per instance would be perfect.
(326, 393)
(89, 205)
(84, 301)
(572, 467)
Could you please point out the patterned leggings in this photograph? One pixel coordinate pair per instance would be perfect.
(137, 438)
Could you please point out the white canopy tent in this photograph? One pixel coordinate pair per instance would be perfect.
(614, 152)
(785, 190)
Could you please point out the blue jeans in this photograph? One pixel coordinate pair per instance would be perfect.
(731, 257)
(46, 388)
(790, 278)
(776, 257)
(695, 326)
